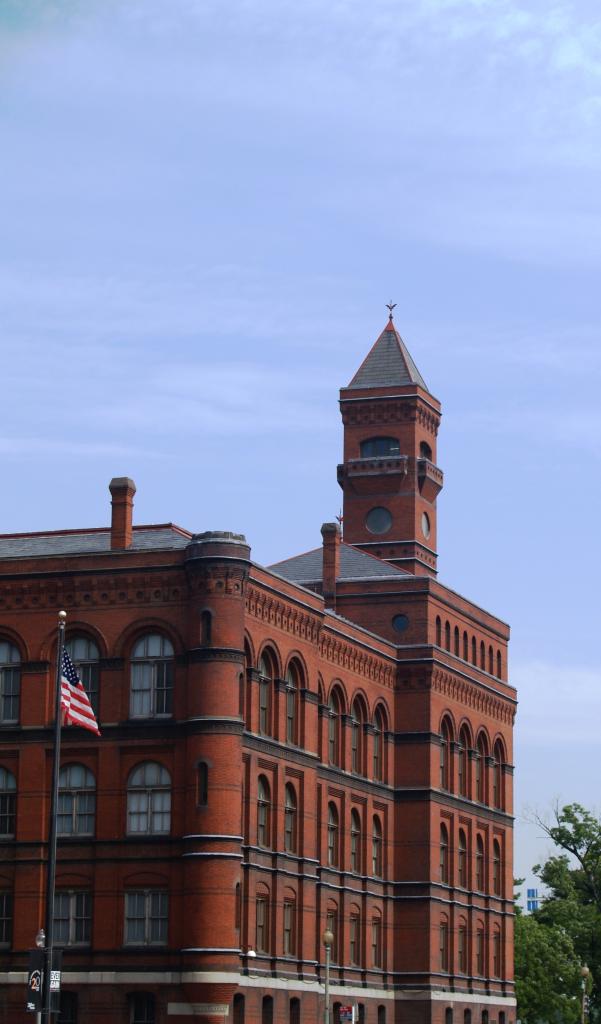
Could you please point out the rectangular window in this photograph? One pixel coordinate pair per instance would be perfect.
(444, 947)
(376, 942)
(142, 1008)
(72, 918)
(88, 672)
(291, 715)
(146, 917)
(262, 925)
(462, 949)
(480, 952)
(332, 926)
(289, 928)
(10, 679)
(264, 686)
(355, 939)
(6, 918)
(7, 814)
(68, 1007)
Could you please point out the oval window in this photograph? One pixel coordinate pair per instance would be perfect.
(378, 520)
(400, 623)
(425, 525)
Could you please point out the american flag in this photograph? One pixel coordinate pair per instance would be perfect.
(75, 703)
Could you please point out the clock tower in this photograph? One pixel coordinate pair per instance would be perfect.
(389, 476)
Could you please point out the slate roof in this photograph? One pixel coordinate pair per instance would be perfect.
(354, 565)
(157, 538)
(388, 363)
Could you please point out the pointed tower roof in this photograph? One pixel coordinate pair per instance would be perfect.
(388, 363)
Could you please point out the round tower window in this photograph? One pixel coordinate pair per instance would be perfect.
(400, 623)
(378, 520)
(425, 525)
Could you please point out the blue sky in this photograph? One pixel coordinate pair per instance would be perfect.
(204, 208)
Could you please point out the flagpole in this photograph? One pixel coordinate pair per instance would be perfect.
(51, 864)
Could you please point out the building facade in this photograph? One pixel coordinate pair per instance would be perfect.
(325, 744)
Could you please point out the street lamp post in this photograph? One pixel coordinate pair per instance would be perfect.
(328, 941)
(584, 971)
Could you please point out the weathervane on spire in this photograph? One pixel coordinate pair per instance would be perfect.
(390, 306)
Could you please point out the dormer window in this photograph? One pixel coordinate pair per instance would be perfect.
(379, 447)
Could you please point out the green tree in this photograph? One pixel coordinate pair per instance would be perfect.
(573, 880)
(547, 973)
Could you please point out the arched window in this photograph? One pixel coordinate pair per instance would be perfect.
(333, 838)
(355, 842)
(482, 655)
(481, 769)
(292, 688)
(376, 941)
(334, 728)
(425, 452)
(357, 720)
(377, 858)
(263, 812)
(480, 949)
(10, 682)
(443, 940)
(294, 1011)
(438, 631)
(490, 660)
(444, 855)
(379, 447)
(151, 677)
(456, 641)
(355, 936)
(266, 677)
(238, 1009)
(290, 820)
(474, 649)
(8, 800)
(381, 1014)
(463, 762)
(149, 800)
(447, 635)
(465, 646)
(462, 946)
(267, 1010)
(76, 801)
(448, 1015)
(85, 656)
(496, 868)
(445, 755)
(499, 665)
(378, 746)
(462, 859)
(142, 1008)
(479, 863)
(497, 969)
(467, 1017)
(497, 776)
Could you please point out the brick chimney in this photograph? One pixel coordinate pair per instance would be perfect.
(122, 499)
(331, 562)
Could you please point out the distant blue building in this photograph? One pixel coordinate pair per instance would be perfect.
(532, 900)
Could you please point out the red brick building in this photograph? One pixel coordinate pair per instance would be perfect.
(325, 743)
